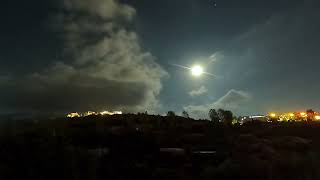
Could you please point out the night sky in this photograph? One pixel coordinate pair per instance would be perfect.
(59, 56)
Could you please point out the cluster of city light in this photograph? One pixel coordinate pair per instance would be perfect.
(73, 115)
(92, 113)
(294, 116)
(303, 114)
(273, 115)
(110, 113)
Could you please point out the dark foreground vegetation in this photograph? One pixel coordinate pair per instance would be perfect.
(155, 147)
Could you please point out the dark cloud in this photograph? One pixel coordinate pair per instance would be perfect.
(71, 91)
(108, 68)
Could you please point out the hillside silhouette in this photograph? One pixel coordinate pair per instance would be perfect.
(146, 146)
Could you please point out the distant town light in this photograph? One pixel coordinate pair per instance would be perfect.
(117, 112)
(105, 113)
(303, 114)
(73, 115)
(257, 116)
(294, 116)
(273, 115)
(110, 113)
(92, 113)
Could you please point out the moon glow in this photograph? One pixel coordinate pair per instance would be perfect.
(197, 70)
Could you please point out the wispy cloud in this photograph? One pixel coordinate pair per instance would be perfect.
(198, 92)
(216, 56)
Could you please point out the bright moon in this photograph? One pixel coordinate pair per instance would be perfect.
(197, 70)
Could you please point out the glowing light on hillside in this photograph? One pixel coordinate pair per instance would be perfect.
(73, 115)
(110, 113)
(295, 116)
(90, 113)
(117, 112)
(197, 70)
(303, 114)
(105, 113)
(273, 115)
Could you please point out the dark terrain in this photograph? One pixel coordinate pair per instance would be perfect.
(155, 147)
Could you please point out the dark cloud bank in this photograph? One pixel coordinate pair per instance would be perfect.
(108, 69)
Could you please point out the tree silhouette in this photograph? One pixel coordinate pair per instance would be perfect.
(221, 114)
(228, 117)
(310, 111)
(310, 114)
(225, 116)
(171, 113)
(214, 116)
(185, 114)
